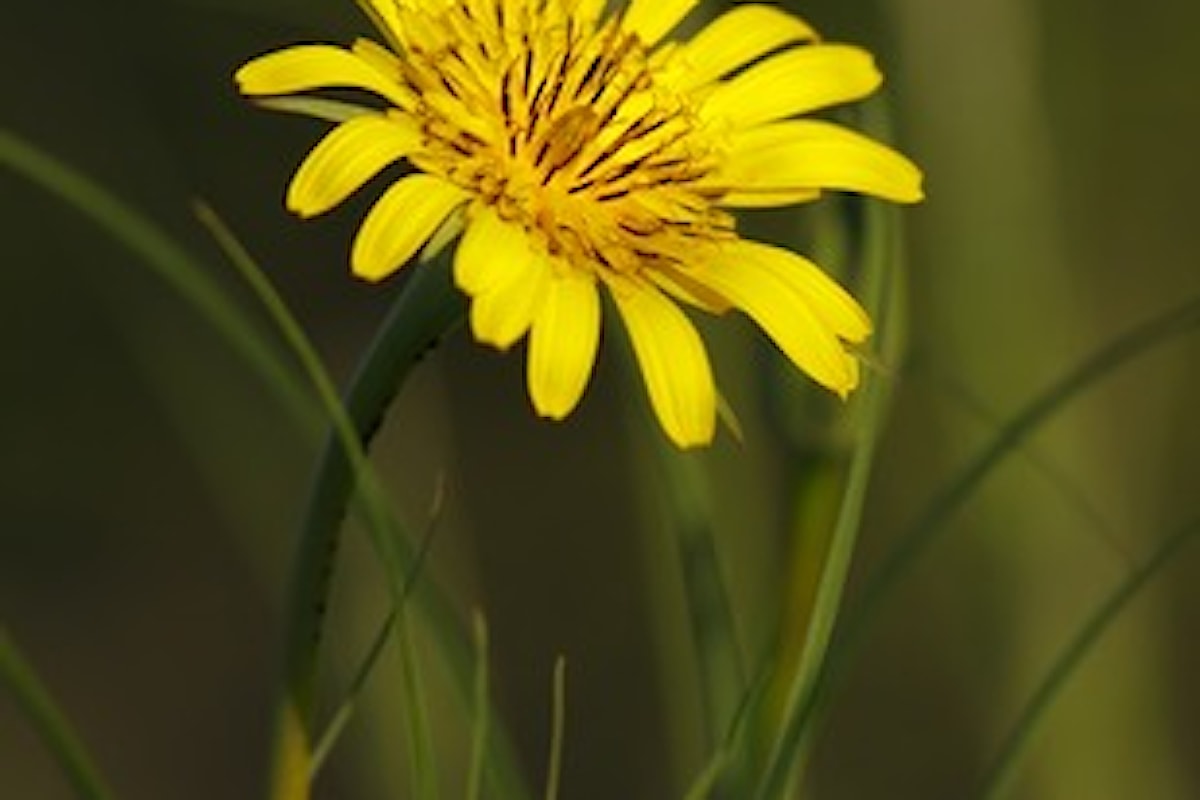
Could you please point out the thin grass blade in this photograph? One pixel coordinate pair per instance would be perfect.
(998, 781)
(51, 724)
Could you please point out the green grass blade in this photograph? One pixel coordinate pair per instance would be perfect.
(558, 712)
(482, 707)
(882, 295)
(51, 724)
(354, 477)
(681, 494)
(345, 709)
(714, 634)
(167, 260)
(1180, 320)
(998, 780)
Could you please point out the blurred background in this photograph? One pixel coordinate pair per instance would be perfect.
(150, 487)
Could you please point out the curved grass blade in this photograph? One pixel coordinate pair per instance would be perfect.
(1180, 320)
(381, 524)
(426, 309)
(170, 262)
(345, 709)
(681, 489)
(51, 724)
(1000, 776)
(557, 729)
(882, 276)
(482, 708)
(924, 532)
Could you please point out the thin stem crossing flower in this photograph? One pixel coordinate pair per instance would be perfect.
(574, 151)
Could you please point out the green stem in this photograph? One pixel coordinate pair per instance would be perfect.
(710, 613)
(427, 307)
(924, 532)
(884, 297)
(49, 721)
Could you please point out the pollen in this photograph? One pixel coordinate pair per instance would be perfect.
(565, 131)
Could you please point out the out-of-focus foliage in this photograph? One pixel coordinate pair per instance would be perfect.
(149, 488)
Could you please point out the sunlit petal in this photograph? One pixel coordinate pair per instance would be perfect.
(651, 20)
(491, 252)
(736, 38)
(794, 82)
(803, 311)
(407, 215)
(316, 66)
(799, 155)
(673, 362)
(349, 156)
(563, 343)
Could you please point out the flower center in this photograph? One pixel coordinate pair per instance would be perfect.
(563, 128)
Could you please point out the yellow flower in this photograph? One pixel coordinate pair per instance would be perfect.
(574, 151)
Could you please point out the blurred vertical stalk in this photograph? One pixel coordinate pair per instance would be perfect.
(676, 488)
(1002, 309)
(831, 465)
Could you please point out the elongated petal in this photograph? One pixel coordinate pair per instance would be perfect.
(673, 362)
(677, 284)
(491, 252)
(799, 154)
(803, 310)
(651, 20)
(401, 221)
(383, 13)
(794, 82)
(508, 277)
(349, 156)
(563, 343)
(767, 199)
(502, 316)
(736, 38)
(586, 11)
(316, 66)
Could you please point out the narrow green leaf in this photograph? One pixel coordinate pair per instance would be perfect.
(167, 260)
(1182, 319)
(882, 271)
(51, 724)
(558, 708)
(916, 541)
(481, 707)
(998, 780)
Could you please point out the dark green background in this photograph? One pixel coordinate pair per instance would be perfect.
(149, 487)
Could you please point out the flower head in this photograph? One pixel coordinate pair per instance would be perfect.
(576, 151)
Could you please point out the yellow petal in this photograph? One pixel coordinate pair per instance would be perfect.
(812, 154)
(673, 362)
(765, 199)
(651, 20)
(801, 308)
(384, 15)
(586, 11)
(502, 315)
(563, 342)
(349, 156)
(677, 284)
(736, 38)
(500, 267)
(407, 214)
(492, 250)
(317, 66)
(794, 82)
